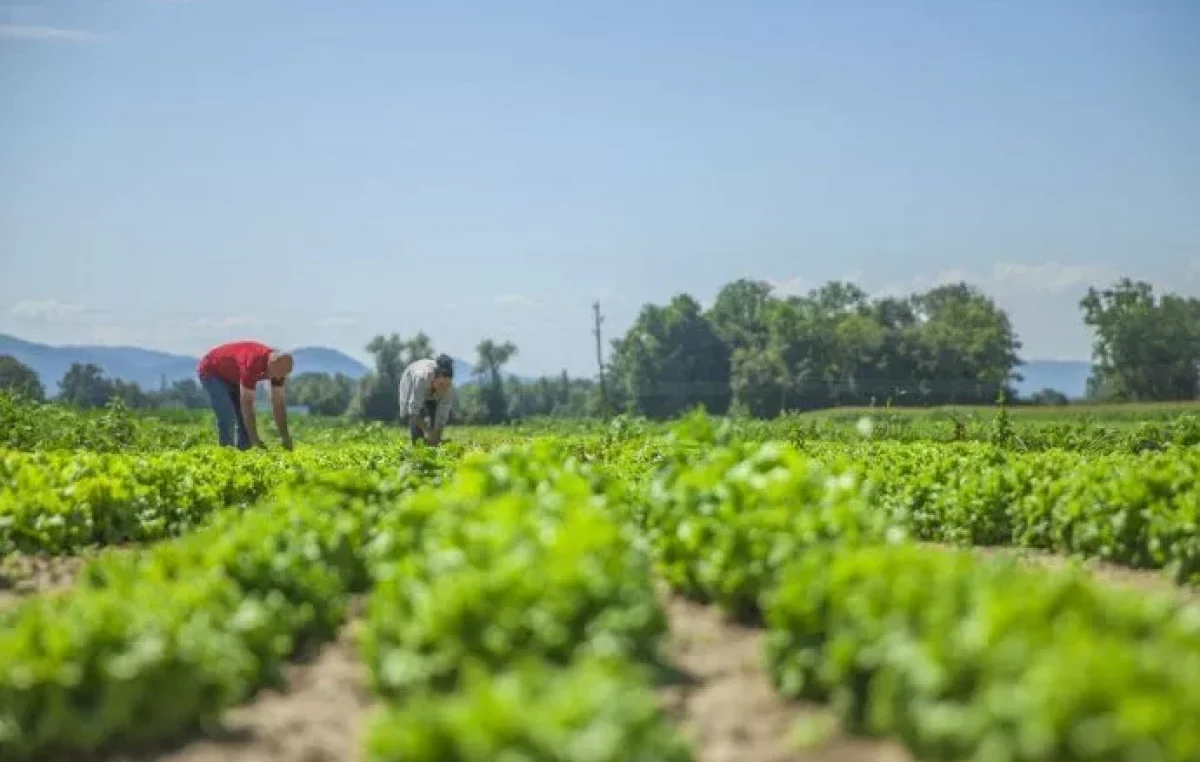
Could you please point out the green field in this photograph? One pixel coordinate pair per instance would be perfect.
(949, 584)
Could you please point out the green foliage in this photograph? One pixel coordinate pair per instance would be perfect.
(62, 502)
(20, 380)
(489, 364)
(589, 711)
(672, 360)
(376, 397)
(510, 607)
(1147, 347)
(32, 426)
(1137, 510)
(832, 346)
(1049, 397)
(968, 659)
(723, 520)
(152, 644)
(513, 558)
(508, 611)
(84, 386)
(321, 393)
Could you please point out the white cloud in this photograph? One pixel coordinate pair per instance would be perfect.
(1052, 277)
(793, 286)
(47, 310)
(38, 33)
(519, 300)
(1015, 279)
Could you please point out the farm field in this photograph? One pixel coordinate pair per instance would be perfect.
(989, 584)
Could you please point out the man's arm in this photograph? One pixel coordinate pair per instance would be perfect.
(248, 396)
(279, 409)
(442, 416)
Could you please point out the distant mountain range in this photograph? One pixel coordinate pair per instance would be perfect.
(147, 367)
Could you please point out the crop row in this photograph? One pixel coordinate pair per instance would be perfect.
(508, 611)
(151, 644)
(512, 615)
(957, 656)
(61, 502)
(1137, 510)
(1141, 511)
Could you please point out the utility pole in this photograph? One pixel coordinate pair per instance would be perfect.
(599, 319)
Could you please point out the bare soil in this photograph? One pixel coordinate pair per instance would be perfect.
(728, 707)
(317, 719)
(1143, 580)
(23, 575)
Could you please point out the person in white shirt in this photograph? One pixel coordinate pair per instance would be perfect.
(426, 396)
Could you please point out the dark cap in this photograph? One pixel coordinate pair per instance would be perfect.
(445, 366)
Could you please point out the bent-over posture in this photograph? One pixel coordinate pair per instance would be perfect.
(426, 396)
(230, 374)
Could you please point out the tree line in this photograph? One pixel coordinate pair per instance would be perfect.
(753, 352)
(756, 353)
(488, 396)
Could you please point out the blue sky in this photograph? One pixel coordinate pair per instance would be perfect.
(174, 174)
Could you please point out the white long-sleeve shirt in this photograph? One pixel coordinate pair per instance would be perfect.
(415, 388)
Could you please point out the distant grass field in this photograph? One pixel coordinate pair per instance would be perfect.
(1125, 412)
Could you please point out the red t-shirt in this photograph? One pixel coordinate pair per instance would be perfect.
(239, 362)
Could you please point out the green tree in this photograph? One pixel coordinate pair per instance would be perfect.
(671, 360)
(1145, 347)
(377, 395)
(20, 379)
(129, 393)
(558, 397)
(489, 364)
(835, 346)
(1051, 397)
(967, 349)
(84, 386)
(184, 393)
(737, 314)
(759, 381)
(322, 393)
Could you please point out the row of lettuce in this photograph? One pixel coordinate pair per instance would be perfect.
(510, 614)
(1137, 510)
(32, 426)
(507, 611)
(513, 616)
(956, 655)
(62, 502)
(1141, 511)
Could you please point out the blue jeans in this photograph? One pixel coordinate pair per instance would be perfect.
(226, 402)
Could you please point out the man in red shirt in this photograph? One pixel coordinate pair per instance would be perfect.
(230, 374)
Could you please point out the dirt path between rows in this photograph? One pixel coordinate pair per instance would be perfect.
(24, 575)
(318, 719)
(1143, 580)
(726, 704)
